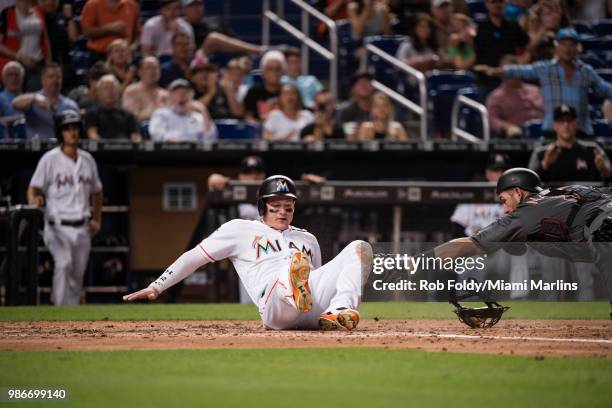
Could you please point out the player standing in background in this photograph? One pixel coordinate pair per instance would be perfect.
(280, 266)
(66, 182)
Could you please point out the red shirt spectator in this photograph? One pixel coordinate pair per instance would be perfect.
(104, 21)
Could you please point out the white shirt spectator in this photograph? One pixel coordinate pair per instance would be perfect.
(283, 128)
(155, 34)
(167, 125)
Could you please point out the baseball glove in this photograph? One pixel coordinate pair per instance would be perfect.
(480, 317)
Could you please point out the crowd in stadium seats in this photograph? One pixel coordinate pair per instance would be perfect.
(165, 70)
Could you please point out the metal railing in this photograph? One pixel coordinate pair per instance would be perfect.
(484, 115)
(303, 35)
(421, 108)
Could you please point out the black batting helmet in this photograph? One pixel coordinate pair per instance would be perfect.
(519, 177)
(274, 186)
(65, 118)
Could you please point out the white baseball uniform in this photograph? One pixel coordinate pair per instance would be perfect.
(67, 186)
(261, 256)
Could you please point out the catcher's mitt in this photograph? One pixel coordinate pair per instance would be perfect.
(480, 317)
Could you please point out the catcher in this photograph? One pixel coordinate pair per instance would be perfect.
(280, 266)
(572, 222)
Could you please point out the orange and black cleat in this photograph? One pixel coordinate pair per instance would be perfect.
(341, 319)
(299, 272)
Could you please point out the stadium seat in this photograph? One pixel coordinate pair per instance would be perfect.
(599, 45)
(603, 28)
(532, 129)
(234, 129)
(469, 118)
(17, 130)
(593, 60)
(476, 7)
(442, 88)
(582, 27)
(143, 128)
(80, 56)
(384, 72)
(601, 128)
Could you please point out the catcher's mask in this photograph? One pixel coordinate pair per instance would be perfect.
(478, 317)
(274, 186)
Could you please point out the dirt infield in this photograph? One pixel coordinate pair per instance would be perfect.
(592, 338)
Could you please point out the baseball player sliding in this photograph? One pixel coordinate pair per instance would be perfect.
(280, 266)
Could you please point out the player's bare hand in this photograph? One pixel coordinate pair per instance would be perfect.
(38, 201)
(94, 227)
(217, 182)
(42, 101)
(602, 164)
(513, 131)
(313, 178)
(550, 156)
(146, 293)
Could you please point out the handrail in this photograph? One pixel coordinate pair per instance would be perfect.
(484, 114)
(303, 35)
(421, 108)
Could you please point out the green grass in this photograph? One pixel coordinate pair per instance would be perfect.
(218, 311)
(351, 377)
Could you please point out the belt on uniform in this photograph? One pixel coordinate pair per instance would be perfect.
(69, 223)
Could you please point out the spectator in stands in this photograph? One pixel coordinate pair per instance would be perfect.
(541, 24)
(179, 122)
(213, 38)
(218, 97)
(286, 122)
(590, 10)
(324, 126)
(108, 120)
(334, 9)
(262, 98)
(513, 103)
(86, 95)
(441, 12)
(23, 37)
(178, 66)
(517, 10)
(62, 31)
(420, 52)
(357, 109)
(495, 38)
(563, 80)
(461, 42)
(145, 96)
(39, 107)
(12, 81)
(567, 158)
(381, 126)
(308, 85)
(237, 70)
(158, 32)
(369, 17)
(104, 21)
(119, 62)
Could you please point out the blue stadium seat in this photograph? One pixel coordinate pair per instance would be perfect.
(582, 27)
(600, 45)
(442, 88)
(469, 118)
(532, 129)
(80, 56)
(384, 72)
(143, 128)
(17, 130)
(601, 128)
(595, 112)
(347, 64)
(234, 129)
(476, 7)
(593, 60)
(256, 77)
(603, 28)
